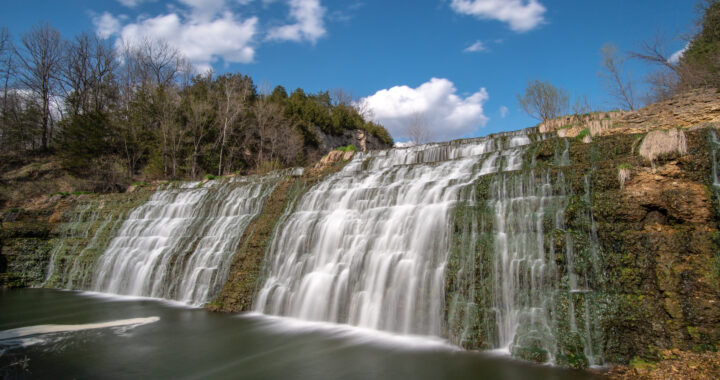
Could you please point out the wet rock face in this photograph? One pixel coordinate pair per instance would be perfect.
(667, 195)
(659, 236)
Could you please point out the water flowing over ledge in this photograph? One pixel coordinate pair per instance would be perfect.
(177, 246)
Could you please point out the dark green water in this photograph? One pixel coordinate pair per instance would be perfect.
(195, 344)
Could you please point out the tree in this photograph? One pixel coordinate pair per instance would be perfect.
(417, 129)
(664, 82)
(41, 59)
(89, 75)
(235, 93)
(7, 72)
(699, 65)
(543, 101)
(199, 115)
(615, 81)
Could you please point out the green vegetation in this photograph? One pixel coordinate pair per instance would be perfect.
(210, 177)
(138, 114)
(641, 364)
(699, 66)
(582, 134)
(624, 166)
(348, 148)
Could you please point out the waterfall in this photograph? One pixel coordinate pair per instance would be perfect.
(368, 246)
(466, 240)
(179, 244)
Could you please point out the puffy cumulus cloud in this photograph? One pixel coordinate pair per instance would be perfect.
(308, 26)
(447, 114)
(521, 15)
(202, 41)
(106, 24)
(476, 47)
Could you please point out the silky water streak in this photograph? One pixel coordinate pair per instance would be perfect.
(180, 243)
(368, 245)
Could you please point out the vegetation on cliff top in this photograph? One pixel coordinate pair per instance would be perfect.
(141, 112)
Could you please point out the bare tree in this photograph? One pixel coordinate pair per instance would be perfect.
(664, 82)
(617, 84)
(544, 101)
(198, 113)
(7, 70)
(363, 109)
(7, 64)
(162, 61)
(341, 96)
(581, 105)
(88, 74)
(167, 103)
(152, 62)
(235, 93)
(267, 116)
(417, 129)
(40, 60)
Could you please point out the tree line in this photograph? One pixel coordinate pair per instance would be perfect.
(116, 111)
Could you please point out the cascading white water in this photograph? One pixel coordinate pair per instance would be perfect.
(522, 267)
(368, 246)
(178, 245)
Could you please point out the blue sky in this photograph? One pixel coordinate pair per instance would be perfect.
(458, 63)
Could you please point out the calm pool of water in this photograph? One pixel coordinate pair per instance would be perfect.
(56, 334)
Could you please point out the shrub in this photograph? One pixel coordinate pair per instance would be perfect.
(348, 148)
(584, 133)
(210, 177)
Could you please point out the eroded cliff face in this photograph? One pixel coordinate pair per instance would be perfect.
(633, 243)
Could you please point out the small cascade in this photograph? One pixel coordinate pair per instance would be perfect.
(714, 146)
(76, 227)
(179, 244)
(368, 246)
(82, 234)
(523, 270)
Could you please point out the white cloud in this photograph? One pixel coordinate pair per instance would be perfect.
(447, 114)
(504, 111)
(132, 3)
(675, 58)
(309, 24)
(106, 24)
(204, 9)
(521, 15)
(403, 144)
(476, 47)
(203, 42)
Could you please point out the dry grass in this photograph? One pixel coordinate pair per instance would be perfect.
(657, 143)
(623, 176)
